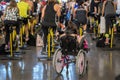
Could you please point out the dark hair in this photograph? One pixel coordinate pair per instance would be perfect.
(51, 1)
(80, 2)
(72, 26)
(13, 3)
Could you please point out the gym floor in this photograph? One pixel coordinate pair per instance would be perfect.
(103, 64)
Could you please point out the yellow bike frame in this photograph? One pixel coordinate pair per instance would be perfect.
(22, 29)
(50, 42)
(12, 38)
(111, 32)
(11, 48)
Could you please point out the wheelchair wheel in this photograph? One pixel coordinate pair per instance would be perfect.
(81, 63)
(58, 61)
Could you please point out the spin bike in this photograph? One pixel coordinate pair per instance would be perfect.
(13, 45)
(50, 44)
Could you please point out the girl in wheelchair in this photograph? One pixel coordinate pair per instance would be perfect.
(71, 44)
(71, 39)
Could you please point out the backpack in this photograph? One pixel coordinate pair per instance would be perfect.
(109, 8)
(80, 14)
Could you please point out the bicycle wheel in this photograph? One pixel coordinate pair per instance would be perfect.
(58, 61)
(81, 63)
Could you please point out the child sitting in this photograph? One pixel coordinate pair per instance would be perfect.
(72, 30)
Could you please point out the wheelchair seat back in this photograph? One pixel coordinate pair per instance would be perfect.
(68, 45)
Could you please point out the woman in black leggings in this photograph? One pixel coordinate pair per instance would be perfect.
(10, 15)
(48, 18)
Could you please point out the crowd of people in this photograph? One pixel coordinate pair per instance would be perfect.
(12, 11)
(59, 15)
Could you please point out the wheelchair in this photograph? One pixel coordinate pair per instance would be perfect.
(69, 46)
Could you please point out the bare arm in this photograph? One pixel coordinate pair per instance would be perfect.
(43, 12)
(57, 8)
(103, 8)
(98, 10)
(74, 13)
(114, 6)
(95, 10)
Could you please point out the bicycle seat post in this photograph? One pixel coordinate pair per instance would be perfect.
(111, 31)
(48, 40)
(52, 41)
(81, 29)
(21, 31)
(11, 46)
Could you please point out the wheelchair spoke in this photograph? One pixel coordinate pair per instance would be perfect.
(80, 63)
(58, 61)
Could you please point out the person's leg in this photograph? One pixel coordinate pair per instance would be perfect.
(114, 23)
(7, 37)
(107, 19)
(45, 31)
(39, 17)
(26, 32)
(31, 25)
(84, 22)
(91, 20)
(84, 28)
(17, 28)
(26, 29)
(79, 38)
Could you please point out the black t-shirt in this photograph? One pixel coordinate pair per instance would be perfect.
(50, 15)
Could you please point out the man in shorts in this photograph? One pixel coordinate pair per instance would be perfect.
(24, 12)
